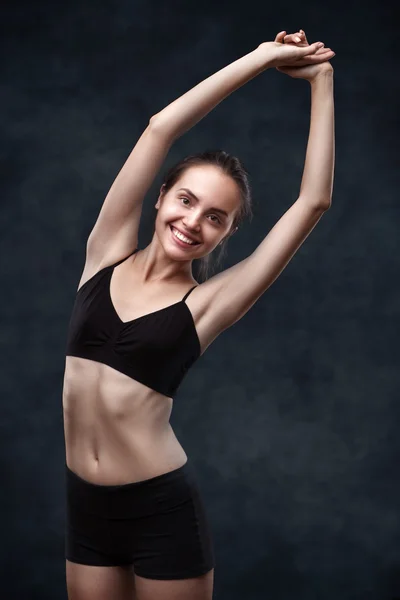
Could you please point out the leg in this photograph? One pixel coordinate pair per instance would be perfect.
(93, 543)
(175, 555)
(195, 588)
(85, 582)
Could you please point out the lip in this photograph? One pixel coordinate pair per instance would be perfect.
(178, 241)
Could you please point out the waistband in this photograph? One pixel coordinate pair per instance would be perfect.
(136, 498)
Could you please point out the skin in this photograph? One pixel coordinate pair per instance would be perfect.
(308, 72)
(193, 218)
(163, 261)
(294, 51)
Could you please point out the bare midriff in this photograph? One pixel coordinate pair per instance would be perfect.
(117, 430)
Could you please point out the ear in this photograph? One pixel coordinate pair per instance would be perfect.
(228, 236)
(160, 196)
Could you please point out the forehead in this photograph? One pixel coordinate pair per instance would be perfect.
(211, 186)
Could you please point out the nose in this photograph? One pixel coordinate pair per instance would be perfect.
(192, 222)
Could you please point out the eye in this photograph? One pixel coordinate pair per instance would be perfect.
(218, 220)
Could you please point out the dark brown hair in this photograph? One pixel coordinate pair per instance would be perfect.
(230, 165)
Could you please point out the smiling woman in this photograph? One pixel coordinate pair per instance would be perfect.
(136, 527)
(235, 206)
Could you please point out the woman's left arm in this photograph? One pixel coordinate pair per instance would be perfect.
(234, 291)
(317, 182)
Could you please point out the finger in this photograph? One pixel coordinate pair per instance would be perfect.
(325, 54)
(304, 35)
(317, 55)
(312, 49)
(301, 35)
(289, 38)
(321, 52)
(292, 38)
(316, 59)
(279, 38)
(325, 57)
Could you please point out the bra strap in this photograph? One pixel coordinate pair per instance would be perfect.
(122, 259)
(187, 294)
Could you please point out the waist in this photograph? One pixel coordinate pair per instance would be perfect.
(107, 456)
(115, 429)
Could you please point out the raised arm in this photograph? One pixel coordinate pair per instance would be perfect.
(182, 114)
(317, 181)
(234, 291)
(115, 232)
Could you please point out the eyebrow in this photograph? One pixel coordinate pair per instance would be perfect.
(219, 210)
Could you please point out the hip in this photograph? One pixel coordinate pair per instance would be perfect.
(159, 525)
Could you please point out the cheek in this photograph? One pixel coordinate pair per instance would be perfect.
(169, 212)
(165, 214)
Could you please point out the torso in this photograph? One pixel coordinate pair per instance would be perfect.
(117, 430)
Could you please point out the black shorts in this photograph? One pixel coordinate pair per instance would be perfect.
(159, 525)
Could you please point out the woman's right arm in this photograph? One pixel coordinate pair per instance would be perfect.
(187, 110)
(115, 233)
(182, 114)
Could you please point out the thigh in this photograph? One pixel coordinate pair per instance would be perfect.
(195, 588)
(86, 582)
(175, 541)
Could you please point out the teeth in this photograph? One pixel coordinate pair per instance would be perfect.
(182, 237)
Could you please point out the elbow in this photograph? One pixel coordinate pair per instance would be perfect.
(154, 123)
(320, 204)
(153, 120)
(159, 126)
(325, 204)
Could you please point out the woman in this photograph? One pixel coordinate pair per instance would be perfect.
(136, 525)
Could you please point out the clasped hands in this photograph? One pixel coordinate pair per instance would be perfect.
(293, 55)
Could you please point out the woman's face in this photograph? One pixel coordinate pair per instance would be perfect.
(201, 205)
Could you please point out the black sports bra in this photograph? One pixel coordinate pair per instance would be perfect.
(156, 349)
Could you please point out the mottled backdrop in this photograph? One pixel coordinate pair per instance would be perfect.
(291, 417)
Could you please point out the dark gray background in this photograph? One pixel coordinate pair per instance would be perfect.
(291, 416)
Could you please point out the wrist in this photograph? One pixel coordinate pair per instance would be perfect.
(324, 75)
(266, 53)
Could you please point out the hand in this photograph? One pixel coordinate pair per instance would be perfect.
(293, 53)
(310, 71)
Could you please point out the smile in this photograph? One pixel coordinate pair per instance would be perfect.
(182, 239)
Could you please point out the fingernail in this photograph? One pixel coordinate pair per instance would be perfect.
(297, 38)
